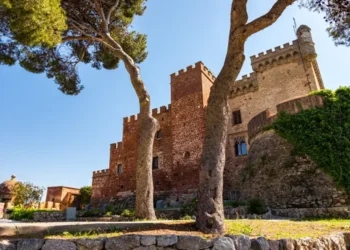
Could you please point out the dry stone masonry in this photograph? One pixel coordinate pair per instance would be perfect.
(172, 242)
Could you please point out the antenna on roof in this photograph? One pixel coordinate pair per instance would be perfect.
(295, 26)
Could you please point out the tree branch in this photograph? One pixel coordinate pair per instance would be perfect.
(99, 9)
(269, 18)
(74, 38)
(239, 15)
(111, 10)
(131, 67)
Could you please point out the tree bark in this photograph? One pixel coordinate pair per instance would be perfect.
(210, 217)
(148, 126)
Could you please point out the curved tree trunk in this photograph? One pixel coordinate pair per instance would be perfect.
(210, 217)
(148, 128)
(144, 179)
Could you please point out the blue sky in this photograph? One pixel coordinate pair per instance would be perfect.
(51, 139)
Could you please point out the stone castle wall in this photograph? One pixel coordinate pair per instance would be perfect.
(278, 75)
(183, 242)
(281, 74)
(283, 180)
(265, 118)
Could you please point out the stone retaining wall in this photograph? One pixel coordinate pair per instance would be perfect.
(334, 212)
(169, 242)
(49, 217)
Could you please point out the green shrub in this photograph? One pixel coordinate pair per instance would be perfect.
(108, 214)
(322, 133)
(128, 213)
(94, 212)
(256, 206)
(109, 208)
(190, 208)
(186, 217)
(234, 203)
(19, 213)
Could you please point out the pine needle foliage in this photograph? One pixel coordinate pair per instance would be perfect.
(322, 133)
(35, 22)
(55, 36)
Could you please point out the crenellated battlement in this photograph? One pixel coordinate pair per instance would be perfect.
(292, 106)
(117, 145)
(248, 83)
(156, 111)
(100, 172)
(161, 110)
(184, 72)
(280, 55)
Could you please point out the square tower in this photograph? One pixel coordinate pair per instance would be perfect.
(190, 90)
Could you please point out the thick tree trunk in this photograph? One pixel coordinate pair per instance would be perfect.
(148, 128)
(210, 217)
(144, 179)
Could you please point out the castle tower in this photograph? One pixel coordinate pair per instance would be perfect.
(280, 74)
(190, 90)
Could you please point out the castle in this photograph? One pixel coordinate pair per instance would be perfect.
(281, 74)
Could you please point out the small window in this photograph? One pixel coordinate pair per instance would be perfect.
(159, 134)
(187, 155)
(236, 117)
(155, 162)
(240, 146)
(119, 169)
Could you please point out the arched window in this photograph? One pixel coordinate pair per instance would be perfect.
(240, 146)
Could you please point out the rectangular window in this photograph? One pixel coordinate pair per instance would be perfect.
(240, 146)
(155, 162)
(119, 169)
(236, 117)
(159, 134)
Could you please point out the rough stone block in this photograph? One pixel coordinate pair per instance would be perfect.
(90, 244)
(166, 240)
(193, 243)
(147, 248)
(241, 242)
(260, 244)
(223, 243)
(274, 244)
(7, 245)
(148, 240)
(59, 245)
(123, 242)
(30, 244)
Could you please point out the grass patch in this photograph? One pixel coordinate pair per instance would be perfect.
(271, 229)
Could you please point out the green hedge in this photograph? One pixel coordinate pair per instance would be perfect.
(322, 133)
(26, 213)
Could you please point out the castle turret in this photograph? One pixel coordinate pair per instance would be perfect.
(307, 45)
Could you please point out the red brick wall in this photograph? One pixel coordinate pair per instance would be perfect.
(182, 125)
(53, 194)
(189, 94)
(57, 194)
